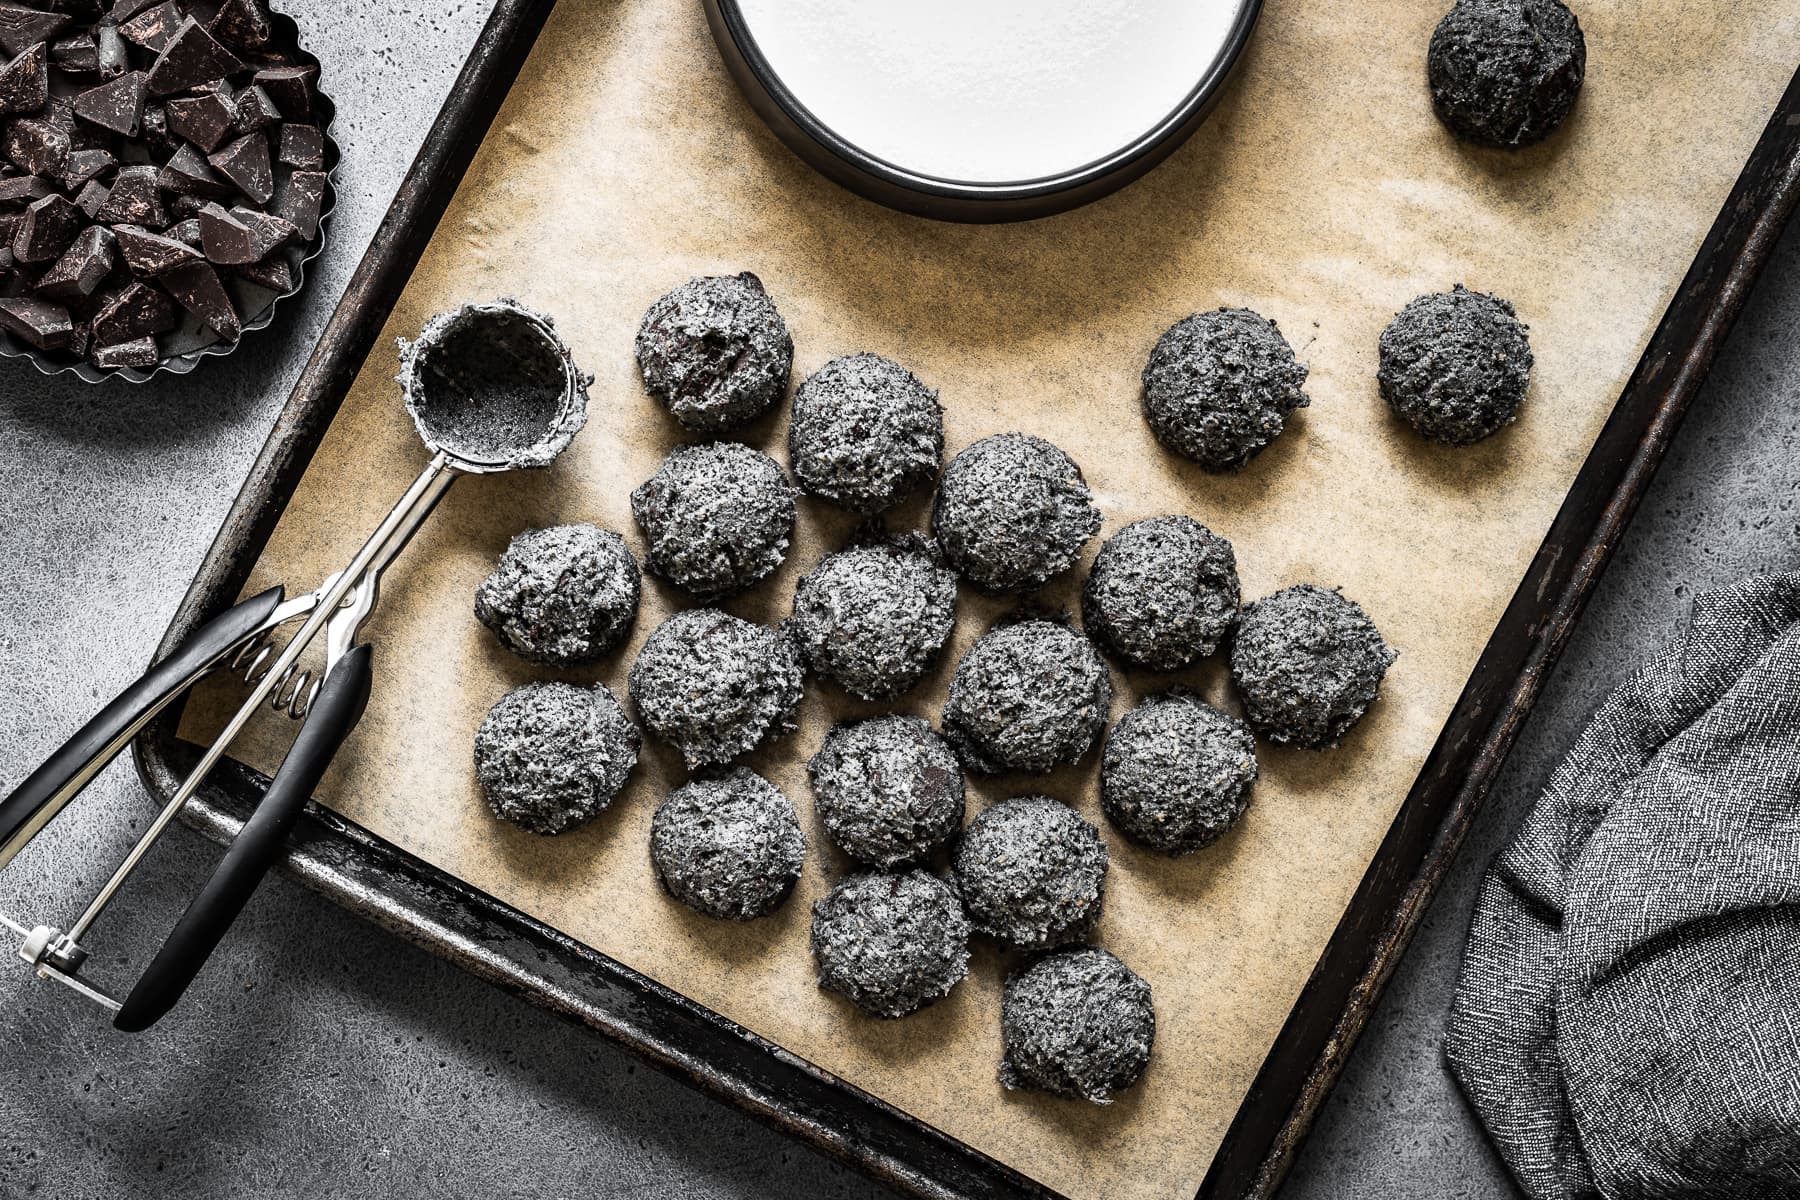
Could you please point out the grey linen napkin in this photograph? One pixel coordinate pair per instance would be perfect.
(1627, 1019)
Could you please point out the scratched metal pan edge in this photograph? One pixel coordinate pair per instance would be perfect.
(449, 917)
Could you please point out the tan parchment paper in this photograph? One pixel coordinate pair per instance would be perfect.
(1323, 194)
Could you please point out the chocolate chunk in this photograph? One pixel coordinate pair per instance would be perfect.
(81, 338)
(124, 10)
(22, 28)
(187, 173)
(187, 232)
(21, 190)
(241, 236)
(255, 110)
(191, 58)
(197, 288)
(291, 88)
(118, 106)
(274, 273)
(134, 199)
(156, 135)
(302, 146)
(242, 24)
(153, 28)
(40, 322)
(25, 81)
(246, 163)
(83, 267)
(300, 200)
(92, 198)
(139, 353)
(77, 54)
(9, 225)
(83, 165)
(134, 311)
(202, 120)
(150, 255)
(182, 207)
(111, 51)
(35, 147)
(46, 230)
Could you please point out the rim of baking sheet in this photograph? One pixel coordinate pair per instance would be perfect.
(848, 164)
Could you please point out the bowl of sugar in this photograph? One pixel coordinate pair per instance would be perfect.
(982, 110)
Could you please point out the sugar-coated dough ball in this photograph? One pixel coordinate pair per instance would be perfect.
(714, 686)
(891, 943)
(563, 595)
(715, 352)
(1455, 365)
(1162, 594)
(1175, 773)
(1077, 1023)
(717, 518)
(729, 846)
(865, 433)
(1506, 72)
(1031, 871)
(1029, 696)
(1219, 387)
(888, 789)
(551, 756)
(1307, 663)
(1012, 511)
(873, 619)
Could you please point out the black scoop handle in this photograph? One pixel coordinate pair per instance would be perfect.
(95, 744)
(328, 722)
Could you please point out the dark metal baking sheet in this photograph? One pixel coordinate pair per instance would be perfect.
(403, 894)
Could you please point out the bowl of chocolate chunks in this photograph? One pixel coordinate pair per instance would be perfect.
(165, 173)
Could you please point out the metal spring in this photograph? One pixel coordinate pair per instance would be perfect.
(293, 693)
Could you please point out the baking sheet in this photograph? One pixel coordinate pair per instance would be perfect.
(1323, 194)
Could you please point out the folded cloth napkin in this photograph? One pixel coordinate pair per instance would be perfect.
(1627, 1020)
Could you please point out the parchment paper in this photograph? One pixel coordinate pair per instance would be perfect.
(1322, 193)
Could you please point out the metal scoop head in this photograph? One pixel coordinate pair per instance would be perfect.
(493, 388)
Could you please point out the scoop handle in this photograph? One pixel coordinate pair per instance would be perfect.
(37, 800)
(333, 715)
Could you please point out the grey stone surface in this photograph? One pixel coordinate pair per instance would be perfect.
(320, 1057)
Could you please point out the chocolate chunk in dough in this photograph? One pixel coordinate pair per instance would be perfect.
(889, 789)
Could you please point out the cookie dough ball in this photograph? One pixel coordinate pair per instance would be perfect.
(1163, 593)
(729, 847)
(1030, 696)
(1220, 386)
(865, 433)
(1307, 663)
(715, 352)
(891, 943)
(717, 518)
(1176, 773)
(888, 789)
(551, 756)
(874, 618)
(1031, 871)
(1506, 72)
(715, 687)
(1077, 1023)
(1012, 511)
(1455, 365)
(563, 595)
